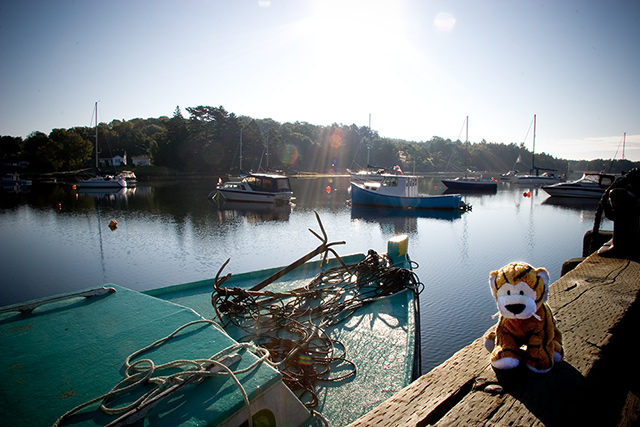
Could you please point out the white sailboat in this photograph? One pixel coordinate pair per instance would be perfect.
(102, 181)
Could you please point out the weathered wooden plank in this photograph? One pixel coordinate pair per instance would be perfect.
(430, 392)
(597, 310)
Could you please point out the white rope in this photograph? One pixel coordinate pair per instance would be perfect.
(142, 371)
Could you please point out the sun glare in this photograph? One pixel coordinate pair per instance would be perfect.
(349, 37)
(359, 25)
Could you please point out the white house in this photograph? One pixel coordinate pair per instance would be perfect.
(119, 159)
(141, 160)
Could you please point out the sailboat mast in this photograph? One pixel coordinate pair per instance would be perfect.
(624, 138)
(533, 152)
(96, 108)
(466, 144)
(240, 150)
(467, 137)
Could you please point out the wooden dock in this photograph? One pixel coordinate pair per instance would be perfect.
(598, 383)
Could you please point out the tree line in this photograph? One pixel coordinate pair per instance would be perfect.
(213, 140)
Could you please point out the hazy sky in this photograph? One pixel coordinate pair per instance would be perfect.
(417, 67)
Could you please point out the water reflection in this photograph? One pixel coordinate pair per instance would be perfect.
(573, 203)
(253, 212)
(329, 192)
(401, 220)
(109, 194)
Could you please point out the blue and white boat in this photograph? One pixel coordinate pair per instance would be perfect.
(401, 191)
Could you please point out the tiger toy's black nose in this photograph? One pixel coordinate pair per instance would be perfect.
(515, 308)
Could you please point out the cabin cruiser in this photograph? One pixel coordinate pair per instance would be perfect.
(256, 187)
(590, 185)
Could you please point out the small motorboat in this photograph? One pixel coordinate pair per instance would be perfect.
(256, 188)
(590, 185)
(129, 177)
(13, 179)
(545, 178)
(401, 191)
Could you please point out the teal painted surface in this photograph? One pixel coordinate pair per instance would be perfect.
(65, 353)
(379, 338)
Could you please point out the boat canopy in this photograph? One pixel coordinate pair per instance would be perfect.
(268, 183)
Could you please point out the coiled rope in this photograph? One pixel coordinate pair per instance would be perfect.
(144, 372)
(291, 326)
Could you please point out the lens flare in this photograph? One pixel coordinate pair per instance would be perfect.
(444, 22)
(336, 138)
(290, 155)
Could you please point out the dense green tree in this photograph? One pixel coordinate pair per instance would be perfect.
(32, 145)
(10, 146)
(73, 149)
(169, 151)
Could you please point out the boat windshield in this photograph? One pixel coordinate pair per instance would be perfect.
(266, 183)
(283, 184)
(390, 182)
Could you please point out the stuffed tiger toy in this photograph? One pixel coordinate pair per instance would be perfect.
(526, 330)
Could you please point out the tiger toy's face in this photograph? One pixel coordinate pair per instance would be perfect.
(519, 289)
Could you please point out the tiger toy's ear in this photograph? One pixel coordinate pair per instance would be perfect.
(544, 275)
(492, 282)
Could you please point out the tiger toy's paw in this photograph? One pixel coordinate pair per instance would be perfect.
(490, 341)
(557, 357)
(506, 363)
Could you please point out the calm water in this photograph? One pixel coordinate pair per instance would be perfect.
(55, 240)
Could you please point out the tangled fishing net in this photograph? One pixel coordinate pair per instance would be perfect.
(292, 325)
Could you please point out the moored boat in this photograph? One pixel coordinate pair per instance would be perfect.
(101, 180)
(130, 177)
(256, 188)
(401, 191)
(471, 184)
(89, 347)
(534, 177)
(509, 176)
(13, 179)
(372, 174)
(590, 185)
(545, 178)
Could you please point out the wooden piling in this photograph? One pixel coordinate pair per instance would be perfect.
(597, 309)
